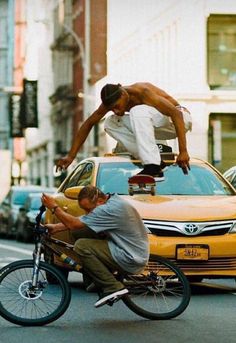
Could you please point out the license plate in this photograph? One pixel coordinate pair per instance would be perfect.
(192, 252)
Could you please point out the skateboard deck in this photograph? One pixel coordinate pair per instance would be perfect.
(142, 184)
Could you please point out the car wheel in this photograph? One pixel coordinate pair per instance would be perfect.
(86, 280)
(26, 236)
(195, 278)
(48, 257)
(18, 232)
(18, 237)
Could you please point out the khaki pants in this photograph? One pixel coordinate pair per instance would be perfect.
(97, 261)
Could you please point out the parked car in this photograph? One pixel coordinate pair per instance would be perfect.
(10, 206)
(191, 219)
(230, 175)
(26, 215)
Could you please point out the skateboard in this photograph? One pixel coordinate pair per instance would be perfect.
(142, 184)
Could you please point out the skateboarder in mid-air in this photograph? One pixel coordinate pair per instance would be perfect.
(142, 113)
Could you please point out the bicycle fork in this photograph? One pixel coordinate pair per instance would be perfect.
(37, 259)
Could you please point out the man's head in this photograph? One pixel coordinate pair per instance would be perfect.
(115, 98)
(91, 197)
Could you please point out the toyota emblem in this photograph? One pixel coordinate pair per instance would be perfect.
(191, 229)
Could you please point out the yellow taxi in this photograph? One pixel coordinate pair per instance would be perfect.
(191, 219)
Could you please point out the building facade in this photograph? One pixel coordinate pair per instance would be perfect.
(38, 67)
(6, 68)
(188, 49)
(6, 80)
(185, 47)
(73, 51)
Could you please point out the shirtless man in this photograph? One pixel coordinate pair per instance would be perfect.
(142, 114)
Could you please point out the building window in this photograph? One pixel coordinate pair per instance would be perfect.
(221, 31)
(222, 140)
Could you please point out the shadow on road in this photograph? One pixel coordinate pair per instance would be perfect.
(213, 287)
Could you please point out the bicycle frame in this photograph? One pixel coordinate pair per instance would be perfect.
(63, 257)
(42, 239)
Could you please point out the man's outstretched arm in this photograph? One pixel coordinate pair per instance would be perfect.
(81, 136)
(168, 109)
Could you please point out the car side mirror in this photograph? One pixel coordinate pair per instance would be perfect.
(73, 192)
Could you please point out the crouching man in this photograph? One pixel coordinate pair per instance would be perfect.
(123, 244)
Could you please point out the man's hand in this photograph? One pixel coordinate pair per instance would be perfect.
(64, 162)
(48, 201)
(54, 228)
(183, 162)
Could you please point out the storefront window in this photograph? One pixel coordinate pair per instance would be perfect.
(221, 31)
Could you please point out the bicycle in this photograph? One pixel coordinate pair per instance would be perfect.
(34, 292)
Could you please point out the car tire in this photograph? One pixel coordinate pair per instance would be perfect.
(48, 257)
(195, 278)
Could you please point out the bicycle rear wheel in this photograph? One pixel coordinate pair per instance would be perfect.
(23, 304)
(161, 292)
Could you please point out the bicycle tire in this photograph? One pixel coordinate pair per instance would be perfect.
(161, 292)
(23, 305)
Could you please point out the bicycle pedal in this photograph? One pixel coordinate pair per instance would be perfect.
(110, 302)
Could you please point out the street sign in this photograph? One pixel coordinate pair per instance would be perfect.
(16, 129)
(29, 104)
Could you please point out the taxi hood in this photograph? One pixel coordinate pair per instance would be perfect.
(184, 208)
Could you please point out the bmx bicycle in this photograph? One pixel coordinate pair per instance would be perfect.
(35, 293)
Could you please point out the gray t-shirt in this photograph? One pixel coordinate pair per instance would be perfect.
(127, 235)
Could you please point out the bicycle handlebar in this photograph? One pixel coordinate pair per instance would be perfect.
(40, 229)
(42, 209)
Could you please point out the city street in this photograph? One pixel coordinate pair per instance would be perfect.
(208, 318)
(119, 118)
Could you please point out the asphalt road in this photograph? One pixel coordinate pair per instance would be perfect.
(209, 318)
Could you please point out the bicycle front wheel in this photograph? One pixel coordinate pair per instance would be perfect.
(161, 292)
(24, 304)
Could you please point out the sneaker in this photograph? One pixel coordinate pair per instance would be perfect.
(153, 170)
(105, 297)
(163, 165)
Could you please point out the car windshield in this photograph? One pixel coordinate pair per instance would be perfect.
(201, 180)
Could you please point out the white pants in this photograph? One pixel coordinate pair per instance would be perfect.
(139, 129)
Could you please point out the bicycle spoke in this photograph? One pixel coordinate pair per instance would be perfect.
(160, 293)
(22, 303)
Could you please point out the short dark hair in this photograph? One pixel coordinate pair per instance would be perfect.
(90, 192)
(110, 93)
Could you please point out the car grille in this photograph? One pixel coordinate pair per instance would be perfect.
(175, 229)
(212, 264)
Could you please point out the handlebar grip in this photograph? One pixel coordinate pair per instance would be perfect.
(40, 229)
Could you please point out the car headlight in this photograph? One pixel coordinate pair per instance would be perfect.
(233, 228)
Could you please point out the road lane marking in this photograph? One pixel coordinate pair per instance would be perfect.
(8, 258)
(15, 249)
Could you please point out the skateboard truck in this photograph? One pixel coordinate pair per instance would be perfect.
(142, 184)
